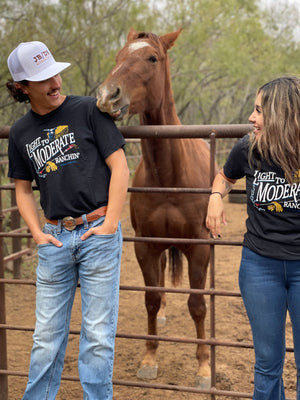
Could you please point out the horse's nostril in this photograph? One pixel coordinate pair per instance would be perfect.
(116, 94)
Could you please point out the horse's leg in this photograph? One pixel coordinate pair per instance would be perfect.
(161, 316)
(148, 257)
(198, 257)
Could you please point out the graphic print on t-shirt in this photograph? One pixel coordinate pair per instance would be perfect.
(273, 193)
(54, 149)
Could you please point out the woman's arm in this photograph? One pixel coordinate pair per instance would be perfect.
(215, 211)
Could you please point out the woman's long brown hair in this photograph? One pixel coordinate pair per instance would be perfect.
(279, 141)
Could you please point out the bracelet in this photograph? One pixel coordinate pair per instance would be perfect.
(217, 193)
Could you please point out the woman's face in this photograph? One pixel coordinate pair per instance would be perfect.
(256, 118)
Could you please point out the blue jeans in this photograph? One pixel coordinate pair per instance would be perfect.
(269, 288)
(95, 263)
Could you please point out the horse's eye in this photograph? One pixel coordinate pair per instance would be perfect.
(153, 59)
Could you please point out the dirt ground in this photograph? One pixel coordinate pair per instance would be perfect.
(177, 363)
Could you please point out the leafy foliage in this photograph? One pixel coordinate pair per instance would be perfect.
(225, 51)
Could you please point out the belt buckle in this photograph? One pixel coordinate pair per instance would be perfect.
(69, 223)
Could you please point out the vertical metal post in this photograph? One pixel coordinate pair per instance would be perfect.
(212, 275)
(3, 342)
(16, 242)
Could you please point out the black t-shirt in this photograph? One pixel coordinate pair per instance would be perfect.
(64, 151)
(273, 205)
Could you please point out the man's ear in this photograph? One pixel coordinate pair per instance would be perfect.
(21, 87)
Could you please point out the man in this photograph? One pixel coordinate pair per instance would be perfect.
(75, 155)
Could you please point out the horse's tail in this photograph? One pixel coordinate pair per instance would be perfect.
(175, 265)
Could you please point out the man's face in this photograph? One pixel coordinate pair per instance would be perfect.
(45, 95)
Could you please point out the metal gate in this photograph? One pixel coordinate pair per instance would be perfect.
(211, 133)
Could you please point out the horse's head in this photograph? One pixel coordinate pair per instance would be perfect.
(137, 83)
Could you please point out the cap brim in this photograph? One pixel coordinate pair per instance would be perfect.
(47, 73)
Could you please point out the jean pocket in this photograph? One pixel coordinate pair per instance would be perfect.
(108, 235)
(48, 229)
(44, 245)
(99, 222)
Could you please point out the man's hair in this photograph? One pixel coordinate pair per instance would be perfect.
(17, 93)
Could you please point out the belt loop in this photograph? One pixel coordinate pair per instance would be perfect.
(85, 222)
(59, 227)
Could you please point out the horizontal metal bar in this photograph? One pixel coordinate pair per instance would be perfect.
(159, 338)
(15, 235)
(4, 132)
(189, 389)
(209, 292)
(182, 241)
(18, 281)
(8, 210)
(177, 190)
(17, 255)
(146, 189)
(164, 240)
(173, 131)
(176, 388)
(11, 186)
(186, 131)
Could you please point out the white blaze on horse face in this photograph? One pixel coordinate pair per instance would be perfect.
(116, 69)
(137, 45)
(131, 48)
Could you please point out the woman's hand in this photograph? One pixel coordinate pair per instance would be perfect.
(215, 215)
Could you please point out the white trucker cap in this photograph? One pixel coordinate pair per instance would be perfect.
(33, 61)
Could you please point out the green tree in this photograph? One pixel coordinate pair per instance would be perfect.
(86, 33)
(226, 50)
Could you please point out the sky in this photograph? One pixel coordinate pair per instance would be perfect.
(295, 2)
(280, 4)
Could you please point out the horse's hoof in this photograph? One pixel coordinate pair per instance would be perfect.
(203, 382)
(161, 321)
(147, 372)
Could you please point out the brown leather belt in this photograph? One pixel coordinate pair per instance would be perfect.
(70, 223)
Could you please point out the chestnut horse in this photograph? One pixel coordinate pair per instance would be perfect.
(140, 83)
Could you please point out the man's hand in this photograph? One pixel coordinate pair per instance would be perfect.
(44, 238)
(104, 229)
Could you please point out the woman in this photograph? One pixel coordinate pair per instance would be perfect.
(269, 277)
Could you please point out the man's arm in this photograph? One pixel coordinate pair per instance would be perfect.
(116, 196)
(28, 209)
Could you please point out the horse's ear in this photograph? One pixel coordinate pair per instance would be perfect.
(132, 34)
(169, 39)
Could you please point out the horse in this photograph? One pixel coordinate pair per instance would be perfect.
(140, 83)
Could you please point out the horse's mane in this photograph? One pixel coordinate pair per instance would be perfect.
(148, 35)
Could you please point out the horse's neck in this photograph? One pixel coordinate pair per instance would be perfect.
(161, 160)
(161, 156)
(165, 114)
